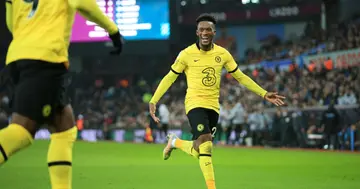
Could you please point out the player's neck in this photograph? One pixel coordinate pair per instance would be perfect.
(205, 48)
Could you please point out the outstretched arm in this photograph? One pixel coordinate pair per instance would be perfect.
(91, 11)
(8, 5)
(250, 84)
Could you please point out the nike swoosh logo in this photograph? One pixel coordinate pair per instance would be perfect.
(196, 60)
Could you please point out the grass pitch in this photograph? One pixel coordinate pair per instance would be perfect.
(106, 165)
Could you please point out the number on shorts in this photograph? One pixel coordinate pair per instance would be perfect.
(213, 131)
(35, 4)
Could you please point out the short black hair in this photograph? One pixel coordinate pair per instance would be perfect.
(206, 17)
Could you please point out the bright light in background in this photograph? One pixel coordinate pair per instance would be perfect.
(134, 18)
(202, 1)
(250, 1)
(183, 3)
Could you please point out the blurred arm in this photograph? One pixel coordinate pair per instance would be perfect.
(176, 69)
(91, 11)
(164, 85)
(8, 5)
(243, 79)
(248, 82)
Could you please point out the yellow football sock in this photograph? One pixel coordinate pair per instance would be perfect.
(187, 147)
(60, 158)
(12, 139)
(206, 164)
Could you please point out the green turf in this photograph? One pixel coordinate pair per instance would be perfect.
(140, 166)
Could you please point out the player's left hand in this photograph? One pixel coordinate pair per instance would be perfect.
(118, 42)
(152, 110)
(274, 98)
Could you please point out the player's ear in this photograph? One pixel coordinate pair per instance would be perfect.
(197, 30)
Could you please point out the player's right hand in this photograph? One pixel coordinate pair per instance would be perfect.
(152, 110)
(118, 42)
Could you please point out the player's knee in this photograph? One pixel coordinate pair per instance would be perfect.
(64, 120)
(202, 139)
(69, 135)
(205, 149)
(205, 138)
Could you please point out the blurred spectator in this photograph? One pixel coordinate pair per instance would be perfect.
(164, 116)
(257, 124)
(154, 127)
(80, 125)
(356, 128)
(238, 115)
(226, 126)
(331, 127)
(276, 127)
(299, 119)
(228, 42)
(347, 98)
(286, 129)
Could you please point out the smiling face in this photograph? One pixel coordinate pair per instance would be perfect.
(205, 32)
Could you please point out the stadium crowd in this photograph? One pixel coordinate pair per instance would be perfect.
(125, 104)
(314, 40)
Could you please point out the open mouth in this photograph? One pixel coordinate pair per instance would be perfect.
(205, 39)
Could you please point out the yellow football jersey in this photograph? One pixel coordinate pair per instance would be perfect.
(203, 73)
(41, 30)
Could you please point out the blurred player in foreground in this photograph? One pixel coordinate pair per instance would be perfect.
(37, 60)
(202, 63)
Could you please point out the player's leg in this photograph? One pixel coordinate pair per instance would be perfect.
(20, 132)
(176, 143)
(59, 156)
(16, 136)
(64, 131)
(201, 147)
(203, 144)
(196, 117)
